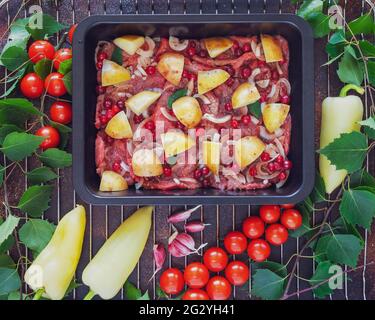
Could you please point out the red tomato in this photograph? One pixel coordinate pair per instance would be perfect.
(258, 250)
(172, 281)
(237, 273)
(51, 135)
(269, 213)
(61, 112)
(41, 49)
(31, 86)
(253, 227)
(235, 242)
(218, 288)
(276, 234)
(196, 275)
(195, 294)
(60, 56)
(71, 32)
(215, 259)
(54, 84)
(291, 219)
(287, 206)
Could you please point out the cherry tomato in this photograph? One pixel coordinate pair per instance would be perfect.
(218, 288)
(258, 250)
(235, 242)
(71, 32)
(196, 275)
(253, 227)
(41, 49)
(237, 273)
(269, 213)
(60, 56)
(61, 112)
(54, 84)
(172, 281)
(291, 219)
(215, 259)
(51, 135)
(195, 294)
(276, 234)
(287, 206)
(31, 86)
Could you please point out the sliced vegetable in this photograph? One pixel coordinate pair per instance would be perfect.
(211, 155)
(129, 43)
(171, 66)
(141, 101)
(216, 46)
(271, 48)
(208, 80)
(247, 150)
(188, 111)
(112, 73)
(119, 127)
(112, 181)
(274, 115)
(175, 142)
(246, 93)
(146, 163)
(176, 95)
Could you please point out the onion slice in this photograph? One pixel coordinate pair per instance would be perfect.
(167, 115)
(212, 118)
(178, 45)
(202, 97)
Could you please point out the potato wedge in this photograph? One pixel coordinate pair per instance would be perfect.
(188, 111)
(211, 155)
(171, 66)
(247, 150)
(175, 142)
(112, 181)
(129, 43)
(208, 80)
(245, 94)
(142, 100)
(274, 115)
(119, 127)
(112, 73)
(216, 46)
(146, 163)
(271, 48)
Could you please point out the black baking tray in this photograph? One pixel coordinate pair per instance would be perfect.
(107, 27)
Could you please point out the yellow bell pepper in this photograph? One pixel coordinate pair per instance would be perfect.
(116, 259)
(339, 115)
(53, 270)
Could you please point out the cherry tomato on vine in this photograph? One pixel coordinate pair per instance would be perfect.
(287, 206)
(253, 227)
(51, 135)
(291, 219)
(235, 242)
(218, 288)
(41, 49)
(215, 259)
(172, 281)
(71, 33)
(276, 234)
(31, 86)
(61, 112)
(269, 213)
(60, 56)
(195, 294)
(258, 250)
(54, 84)
(196, 275)
(237, 273)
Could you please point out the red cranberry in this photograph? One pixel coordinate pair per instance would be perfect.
(253, 64)
(263, 98)
(102, 56)
(275, 75)
(197, 173)
(271, 167)
(228, 106)
(229, 82)
(235, 45)
(150, 70)
(103, 119)
(120, 104)
(203, 54)
(99, 65)
(191, 51)
(265, 156)
(287, 164)
(107, 104)
(261, 63)
(280, 159)
(246, 72)
(277, 166)
(110, 114)
(150, 125)
(100, 89)
(138, 119)
(253, 171)
(115, 109)
(285, 99)
(185, 74)
(116, 166)
(282, 176)
(234, 123)
(167, 171)
(192, 76)
(192, 44)
(246, 47)
(205, 171)
(246, 119)
(238, 52)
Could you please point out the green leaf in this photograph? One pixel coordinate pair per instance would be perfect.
(36, 233)
(145, 296)
(13, 83)
(275, 267)
(6, 129)
(117, 56)
(7, 227)
(131, 292)
(371, 71)
(362, 178)
(19, 145)
(18, 35)
(65, 66)
(43, 68)
(364, 24)
(350, 70)
(41, 175)
(9, 280)
(347, 152)
(176, 95)
(15, 295)
(319, 23)
(2, 173)
(358, 207)
(305, 223)
(35, 200)
(64, 133)
(50, 26)
(68, 82)
(318, 194)
(6, 261)
(344, 249)
(73, 285)
(255, 109)
(322, 274)
(14, 57)
(320, 250)
(338, 38)
(56, 158)
(267, 285)
(309, 7)
(341, 226)
(8, 243)
(369, 127)
(16, 111)
(367, 48)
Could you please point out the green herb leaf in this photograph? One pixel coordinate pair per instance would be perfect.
(176, 95)
(350, 69)
(318, 194)
(319, 23)
(19, 145)
(347, 152)
(117, 56)
(41, 175)
(322, 273)
(43, 68)
(7, 227)
(35, 200)
(65, 66)
(255, 109)
(364, 24)
(309, 7)
(362, 178)
(6, 261)
(344, 248)
(14, 57)
(275, 267)
(68, 82)
(9, 280)
(131, 292)
(36, 233)
(16, 111)
(50, 26)
(56, 158)
(267, 285)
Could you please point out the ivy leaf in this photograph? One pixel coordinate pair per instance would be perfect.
(9, 280)
(16, 111)
(50, 26)
(176, 95)
(322, 274)
(275, 267)
(319, 192)
(6, 129)
(364, 24)
(350, 69)
(347, 152)
(358, 207)
(68, 82)
(35, 199)
(309, 7)
(36, 233)
(43, 68)
(267, 285)
(344, 249)
(41, 175)
(319, 23)
(65, 66)
(369, 127)
(255, 109)
(362, 178)
(131, 292)
(117, 56)
(19, 145)
(6, 261)
(56, 158)
(7, 227)
(14, 57)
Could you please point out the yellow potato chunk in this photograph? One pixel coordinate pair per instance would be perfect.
(119, 127)
(112, 181)
(271, 48)
(216, 46)
(146, 163)
(129, 43)
(245, 94)
(171, 66)
(175, 142)
(112, 73)
(211, 155)
(274, 115)
(208, 80)
(247, 150)
(142, 100)
(188, 111)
